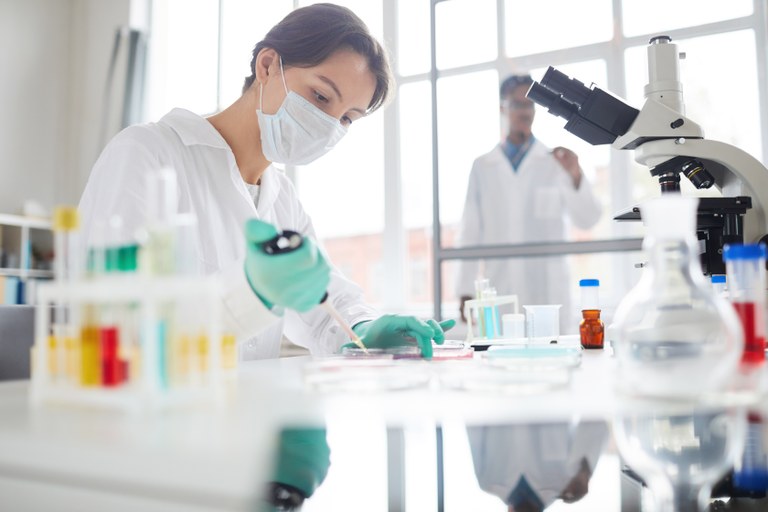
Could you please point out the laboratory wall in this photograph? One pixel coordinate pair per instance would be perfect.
(54, 56)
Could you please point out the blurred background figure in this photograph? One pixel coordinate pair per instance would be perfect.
(530, 466)
(520, 192)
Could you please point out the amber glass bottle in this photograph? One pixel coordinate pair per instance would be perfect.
(591, 327)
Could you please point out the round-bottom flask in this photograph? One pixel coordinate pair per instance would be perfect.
(674, 337)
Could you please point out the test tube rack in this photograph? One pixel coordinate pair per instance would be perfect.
(130, 342)
(478, 306)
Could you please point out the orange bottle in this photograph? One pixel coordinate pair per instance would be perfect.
(591, 327)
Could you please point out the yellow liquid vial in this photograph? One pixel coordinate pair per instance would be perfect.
(90, 371)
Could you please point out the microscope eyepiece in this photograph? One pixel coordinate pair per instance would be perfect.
(593, 115)
(572, 90)
(551, 100)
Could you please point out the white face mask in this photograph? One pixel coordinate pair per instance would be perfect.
(299, 132)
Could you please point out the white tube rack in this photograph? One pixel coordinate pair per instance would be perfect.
(152, 299)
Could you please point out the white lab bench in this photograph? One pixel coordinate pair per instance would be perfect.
(217, 458)
(71, 458)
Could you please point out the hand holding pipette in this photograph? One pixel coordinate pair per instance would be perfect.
(288, 270)
(284, 269)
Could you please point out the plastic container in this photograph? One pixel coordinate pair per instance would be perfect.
(542, 322)
(719, 285)
(745, 265)
(513, 326)
(673, 336)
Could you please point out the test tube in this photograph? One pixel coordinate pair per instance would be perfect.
(480, 286)
(162, 205)
(745, 267)
(62, 342)
(491, 313)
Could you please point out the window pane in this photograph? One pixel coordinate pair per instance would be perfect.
(725, 109)
(412, 37)
(245, 23)
(533, 27)
(468, 126)
(643, 17)
(459, 41)
(183, 57)
(594, 160)
(342, 193)
(416, 153)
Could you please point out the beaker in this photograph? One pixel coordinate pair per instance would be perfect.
(542, 322)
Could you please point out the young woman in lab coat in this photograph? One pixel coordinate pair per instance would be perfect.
(521, 192)
(316, 73)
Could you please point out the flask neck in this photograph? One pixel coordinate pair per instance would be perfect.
(672, 262)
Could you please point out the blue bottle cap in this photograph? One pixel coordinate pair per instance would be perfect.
(744, 252)
(718, 278)
(589, 282)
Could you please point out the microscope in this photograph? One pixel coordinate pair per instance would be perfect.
(670, 145)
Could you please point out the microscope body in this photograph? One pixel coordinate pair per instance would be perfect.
(669, 144)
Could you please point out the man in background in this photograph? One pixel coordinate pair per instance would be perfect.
(522, 192)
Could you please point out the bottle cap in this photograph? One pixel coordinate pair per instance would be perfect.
(65, 218)
(589, 282)
(744, 252)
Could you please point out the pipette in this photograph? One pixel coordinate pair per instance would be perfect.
(288, 241)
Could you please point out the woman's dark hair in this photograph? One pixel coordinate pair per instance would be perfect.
(308, 36)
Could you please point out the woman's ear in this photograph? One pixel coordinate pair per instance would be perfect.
(266, 61)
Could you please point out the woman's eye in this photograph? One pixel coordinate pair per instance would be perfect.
(319, 97)
(346, 120)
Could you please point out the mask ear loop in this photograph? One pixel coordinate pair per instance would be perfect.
(261, 87)
(282, 74)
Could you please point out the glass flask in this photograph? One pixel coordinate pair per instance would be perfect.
(680, 450)
(674, 337)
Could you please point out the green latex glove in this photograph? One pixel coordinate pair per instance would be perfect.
(303, 459)
(296, 280)
(399, 330)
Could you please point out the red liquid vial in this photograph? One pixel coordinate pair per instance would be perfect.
(591, 329)
(754, 339)
(110, 364)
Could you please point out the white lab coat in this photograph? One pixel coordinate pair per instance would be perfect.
(548, 455)
(531, 205)
(210, 186)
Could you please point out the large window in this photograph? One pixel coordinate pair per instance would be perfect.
(371, 198)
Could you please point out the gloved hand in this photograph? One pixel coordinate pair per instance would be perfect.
(397, 330)
(296, 280)
(303, 458)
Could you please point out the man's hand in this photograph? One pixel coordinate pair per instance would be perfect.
(570, 162)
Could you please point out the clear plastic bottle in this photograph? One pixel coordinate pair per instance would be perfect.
(745, 265)
(591, 328)
(719, 285)
(674, 337)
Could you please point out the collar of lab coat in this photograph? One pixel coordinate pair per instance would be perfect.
(196, 130)
(537, 149)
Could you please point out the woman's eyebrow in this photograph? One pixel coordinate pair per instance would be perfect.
(333, 86)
